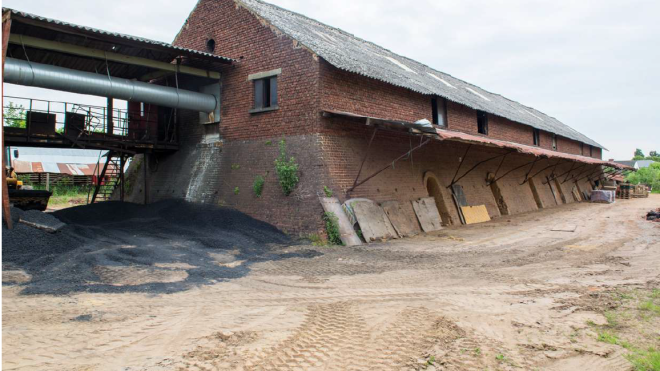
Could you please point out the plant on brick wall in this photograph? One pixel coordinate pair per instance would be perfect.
(237, 191)
(332, 228)
(327, 191)
(258, 185)
(287, 170)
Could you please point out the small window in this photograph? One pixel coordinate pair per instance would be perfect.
(554, 142)
(210, 45)
(582, 148)
(439, 107)
(591, 151)
(265, 94)
(482, 122)
(537, 137)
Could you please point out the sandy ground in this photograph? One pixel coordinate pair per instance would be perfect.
(509, 294)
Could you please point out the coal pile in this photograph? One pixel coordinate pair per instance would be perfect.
(653, 215)
(164, 247)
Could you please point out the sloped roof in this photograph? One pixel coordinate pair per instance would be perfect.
(85, 30)
(348, 52)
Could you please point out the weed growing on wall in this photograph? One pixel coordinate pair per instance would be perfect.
(237, 191)
(287, 170)
(327, 191)
(258, 185)
(332, 228)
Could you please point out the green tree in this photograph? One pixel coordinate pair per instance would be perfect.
(14, 116)
(648, 175)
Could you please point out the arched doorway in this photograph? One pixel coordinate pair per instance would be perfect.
(432, 185)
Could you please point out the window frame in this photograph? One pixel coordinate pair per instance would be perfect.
(437, 111)
(536, 133)
(554, 142)
(483, 117)
(265, 91)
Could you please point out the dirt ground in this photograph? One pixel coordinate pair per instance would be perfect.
(509, 294)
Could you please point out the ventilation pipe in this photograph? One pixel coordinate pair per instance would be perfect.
(26, 73)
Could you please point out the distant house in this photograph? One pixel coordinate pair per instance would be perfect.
(637, 164)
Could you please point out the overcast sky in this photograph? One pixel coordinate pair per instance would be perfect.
(594, 65)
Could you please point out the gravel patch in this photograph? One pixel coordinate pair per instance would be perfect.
(111, 246)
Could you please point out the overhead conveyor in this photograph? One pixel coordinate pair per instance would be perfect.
(22, 72)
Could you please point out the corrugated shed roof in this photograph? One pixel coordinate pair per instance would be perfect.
(458, 136)
(350, 53)
(59, 155)
(115, 34)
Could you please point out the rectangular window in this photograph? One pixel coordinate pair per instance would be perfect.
(482, 122)
(265, 90)
(537, 137)
(591, 151)
(439, 107)
(265, 94)
(554, 141)
(582, 148)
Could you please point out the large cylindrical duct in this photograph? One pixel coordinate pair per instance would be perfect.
(21, 72)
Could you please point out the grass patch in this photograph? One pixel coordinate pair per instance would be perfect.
(332, 228)
(650, 306)
(65, 194)
(645, 360)
(633, 325)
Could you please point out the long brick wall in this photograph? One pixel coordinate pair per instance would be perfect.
(221, 169)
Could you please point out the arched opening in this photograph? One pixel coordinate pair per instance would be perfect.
(432, 185)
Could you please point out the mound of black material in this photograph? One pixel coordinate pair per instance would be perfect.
(123, 247)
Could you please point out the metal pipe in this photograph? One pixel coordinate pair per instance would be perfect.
(26, 73)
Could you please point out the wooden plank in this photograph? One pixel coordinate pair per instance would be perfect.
(346, 231)
(402, 223)
(475, 214)
(564, 228)
(427, 214)
(373, 222)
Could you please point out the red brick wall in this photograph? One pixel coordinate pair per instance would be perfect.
(329, 151)
(223, 172)
(570, 146)
(240, 35)
(348, 92)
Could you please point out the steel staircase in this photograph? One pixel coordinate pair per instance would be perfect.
(110, 178)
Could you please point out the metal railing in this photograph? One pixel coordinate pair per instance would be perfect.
(139, 125)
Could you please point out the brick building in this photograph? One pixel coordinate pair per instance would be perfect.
(348, 109)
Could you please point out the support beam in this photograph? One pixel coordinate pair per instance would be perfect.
(366, 155)
(427, 141)
(542, 170)
(453, 180)
(476, 166)
(6, 28)
(110, 56)
(512, 170)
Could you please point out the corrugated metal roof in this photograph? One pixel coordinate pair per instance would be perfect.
(58, 155)
(36, 167)
(350, 53)
(115, 34)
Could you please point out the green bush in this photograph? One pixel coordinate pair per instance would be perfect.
(332, 228)
(287, 170)
(649, 175)
(327, 191)
(237, 191)
(258, 185)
